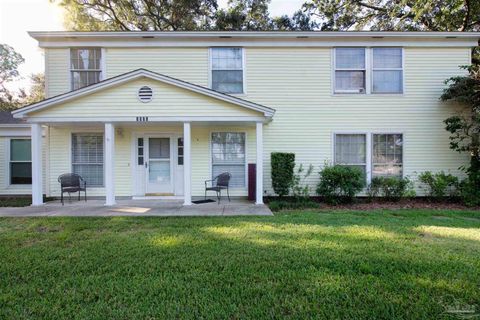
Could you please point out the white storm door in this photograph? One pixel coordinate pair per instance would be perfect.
(159, 165)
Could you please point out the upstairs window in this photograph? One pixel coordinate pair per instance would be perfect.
(350, 71)
(85, 67)
(368, 70)
(227, 70)
(387, 70)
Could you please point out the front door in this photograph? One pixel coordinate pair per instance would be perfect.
(159, 166)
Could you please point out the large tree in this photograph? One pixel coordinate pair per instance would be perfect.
(144, 15)
(401, 15)
(176, 15)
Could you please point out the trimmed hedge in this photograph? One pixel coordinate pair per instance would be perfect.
(340, 184)
(283, 165)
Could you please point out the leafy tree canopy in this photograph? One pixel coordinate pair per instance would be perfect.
(178, 15)
(399, 15)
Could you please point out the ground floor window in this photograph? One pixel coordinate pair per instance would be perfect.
(385, 151)
(387, 156)
(228, 155)
(87, 157)
(20, 161)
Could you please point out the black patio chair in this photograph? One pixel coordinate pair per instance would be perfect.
(217, 184)
(71, 183)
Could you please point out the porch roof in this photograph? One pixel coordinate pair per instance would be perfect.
(237, 108)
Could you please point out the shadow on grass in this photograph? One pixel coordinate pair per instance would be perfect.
(304, 265)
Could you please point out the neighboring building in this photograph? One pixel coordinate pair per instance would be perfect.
(142, 114)
(15, 160)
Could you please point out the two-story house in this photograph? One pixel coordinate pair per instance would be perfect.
(141, 114)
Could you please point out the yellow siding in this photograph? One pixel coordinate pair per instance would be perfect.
(188, 64)
(307, 113)
(57, 71)
(168, 100)
(297, 83)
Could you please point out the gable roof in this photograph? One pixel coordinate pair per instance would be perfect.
(136, 74)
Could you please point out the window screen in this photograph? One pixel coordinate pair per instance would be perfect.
(228, 155)
(227, 70)
(350, 150)
(350, 70)
(87, 157)
(387, 70)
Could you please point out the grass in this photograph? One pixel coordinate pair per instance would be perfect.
(403, 264)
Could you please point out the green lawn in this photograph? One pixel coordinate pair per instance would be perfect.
(404, 264)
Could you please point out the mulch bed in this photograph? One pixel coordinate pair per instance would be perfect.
(417, 203)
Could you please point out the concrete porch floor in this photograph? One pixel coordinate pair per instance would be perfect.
(171, 208)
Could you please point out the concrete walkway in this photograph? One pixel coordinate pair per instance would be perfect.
(174, 208)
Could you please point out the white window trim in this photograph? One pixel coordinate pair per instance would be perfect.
(70, 160)
(369, 149)
(102, 69)
(368, 74)
(244, 67)
(210, 161)
(8, 161)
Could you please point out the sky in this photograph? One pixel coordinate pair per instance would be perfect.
(19, 16)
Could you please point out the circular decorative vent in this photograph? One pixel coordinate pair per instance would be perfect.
(145, 94)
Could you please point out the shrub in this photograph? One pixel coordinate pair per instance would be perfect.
(300, 189)
(282, 172)
(374, 188)
(439, 184)
(469, 191)
(339, 184)
(394, 188)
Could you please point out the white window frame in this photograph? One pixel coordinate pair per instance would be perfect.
(368, 73)
(102, 65)
(244, 67)
(71, 154)
(8, 162)
(369, 149)
(210, 157)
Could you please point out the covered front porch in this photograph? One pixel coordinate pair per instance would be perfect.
(144, 135)
(140, 208)
(154, 160)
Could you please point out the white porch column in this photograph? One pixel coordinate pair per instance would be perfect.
(187, 164)
(37, 165)
(259, 178)
(109, 164)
